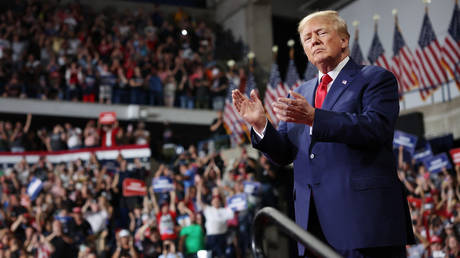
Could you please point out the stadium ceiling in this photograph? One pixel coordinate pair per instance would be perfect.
(300, 8)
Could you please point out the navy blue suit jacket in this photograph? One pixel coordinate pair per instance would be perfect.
(347, 163)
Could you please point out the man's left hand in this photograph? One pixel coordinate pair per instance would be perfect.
(296, 110)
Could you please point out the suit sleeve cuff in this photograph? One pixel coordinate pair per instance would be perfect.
(261, 134)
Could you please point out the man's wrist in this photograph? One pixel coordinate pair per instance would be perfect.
(260, 127)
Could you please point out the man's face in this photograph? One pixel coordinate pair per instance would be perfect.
(436, 247)
(322, 43)
(124, 241)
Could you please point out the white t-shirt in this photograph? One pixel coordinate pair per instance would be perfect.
(97, 220)
(74, 139)
(216, 219)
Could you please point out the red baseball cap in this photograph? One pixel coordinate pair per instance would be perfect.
(435, 239)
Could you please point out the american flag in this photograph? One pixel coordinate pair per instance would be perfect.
(356, 53)
(292, 77)
(428, 60)
(233, 122)
(310, 72)
(250, 84)
(377, 53)
(275, 90)
(402, 65)
(451, 48)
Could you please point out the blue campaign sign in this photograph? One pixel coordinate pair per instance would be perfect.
(407, 140)
(436, 163)
(251, 187)
(63, 219)
(423, 153)
(238, 202)
(34, 188)
(112, 166)
(162, 184)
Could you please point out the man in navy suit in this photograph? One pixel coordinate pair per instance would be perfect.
(338, 130)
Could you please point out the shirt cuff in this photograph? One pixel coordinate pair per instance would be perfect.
(261, 134)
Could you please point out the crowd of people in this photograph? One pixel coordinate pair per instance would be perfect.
(81, 210)
(18, 137)
(71, 52)
(435, 208)
(57, 52)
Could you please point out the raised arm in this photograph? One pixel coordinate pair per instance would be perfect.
(199, 199)
(28, 123)
(172, 202)
(156, 209)
(159, 171)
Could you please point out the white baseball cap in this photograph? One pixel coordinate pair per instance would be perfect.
(123, 233)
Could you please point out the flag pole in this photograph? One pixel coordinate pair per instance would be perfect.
(355, 24)
(395, 14)
(376, 18)
(426, 2)
(251, 56)
(449, 97)
(290, 44)
(275, 53)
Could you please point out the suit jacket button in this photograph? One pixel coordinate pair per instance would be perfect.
(312, 156)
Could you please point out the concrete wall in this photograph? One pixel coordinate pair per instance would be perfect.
(251, 21)
(441, 118)
(92, 110)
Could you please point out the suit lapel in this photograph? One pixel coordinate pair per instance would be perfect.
(340, 84)
(309, 91)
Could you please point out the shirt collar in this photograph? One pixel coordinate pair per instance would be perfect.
(335, 72)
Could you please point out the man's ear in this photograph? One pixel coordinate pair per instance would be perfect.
(345, 42)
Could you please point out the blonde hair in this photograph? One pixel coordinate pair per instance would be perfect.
(332, 16)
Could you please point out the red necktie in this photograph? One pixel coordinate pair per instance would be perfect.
(322, 90)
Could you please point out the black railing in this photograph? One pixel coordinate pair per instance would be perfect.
(269, 215)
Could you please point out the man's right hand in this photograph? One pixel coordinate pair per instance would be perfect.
(251, 109)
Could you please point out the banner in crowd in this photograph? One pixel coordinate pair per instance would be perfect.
(104, 155)
(407, 140)
(436, 163)
(238, 202)
(134, 187)
(251, 187)
(34, 188)
(422, 154)
(107, 118)
(455, 154)
(162, 184)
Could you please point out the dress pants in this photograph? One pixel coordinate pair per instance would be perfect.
(375, 252)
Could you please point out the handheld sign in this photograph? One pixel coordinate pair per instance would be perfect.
(251, 187)
(238, 202)
(423, 153)
(436, 163)
(455, 154)
(134, 187)
(162, 184)
(34, 188)
(408, 141)
(107, 118)
(111, 166)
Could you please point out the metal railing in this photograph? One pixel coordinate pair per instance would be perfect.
(269, 215)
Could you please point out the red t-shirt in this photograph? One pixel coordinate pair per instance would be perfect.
(166, 225)
(108, 137)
